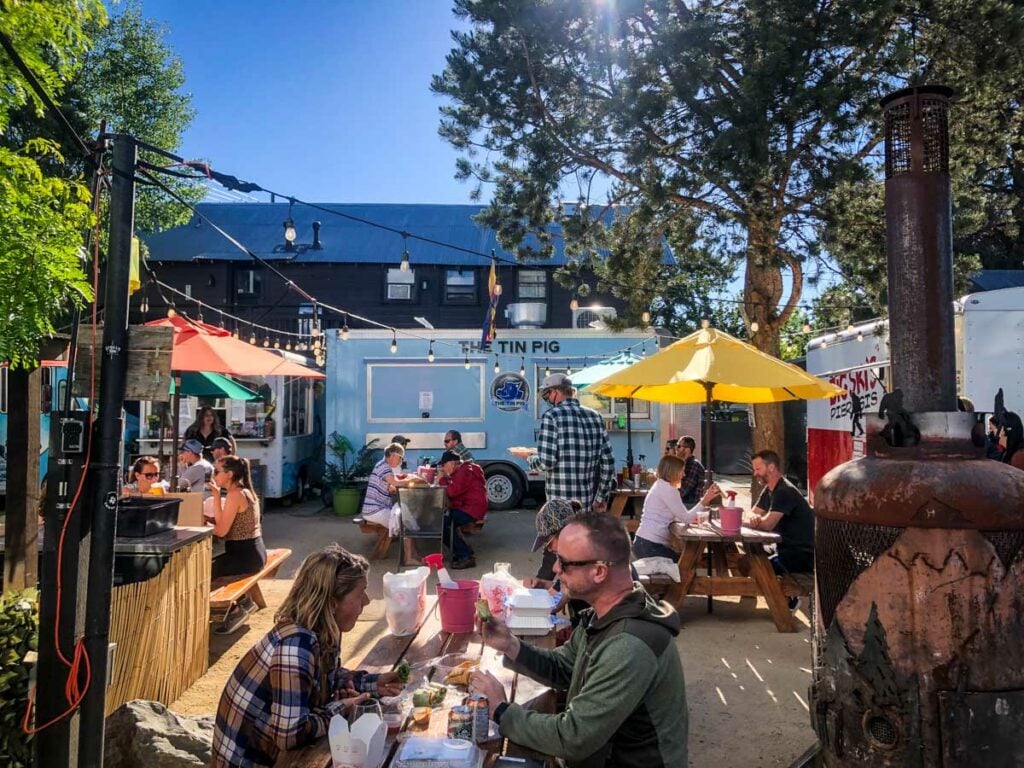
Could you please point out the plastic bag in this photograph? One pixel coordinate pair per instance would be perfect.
(405, 600)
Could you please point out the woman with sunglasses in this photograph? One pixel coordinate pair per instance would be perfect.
(145, 475)
(285, 690)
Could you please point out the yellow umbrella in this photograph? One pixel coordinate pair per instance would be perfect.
(712, 365)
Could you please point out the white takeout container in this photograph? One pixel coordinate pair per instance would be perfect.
(426, 752)
(359, 746)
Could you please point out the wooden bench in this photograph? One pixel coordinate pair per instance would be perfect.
(793, 584)
(226, 591)
(383, 543)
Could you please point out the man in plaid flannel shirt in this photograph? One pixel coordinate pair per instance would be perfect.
(573, 447)
(692, 486)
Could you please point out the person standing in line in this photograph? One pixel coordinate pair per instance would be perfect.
(573, 448)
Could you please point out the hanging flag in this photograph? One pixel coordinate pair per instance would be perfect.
(487, 334)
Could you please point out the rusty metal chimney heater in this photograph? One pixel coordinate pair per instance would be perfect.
(919, 632)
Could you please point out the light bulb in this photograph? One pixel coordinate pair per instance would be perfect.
(430, 354)
(288, 347)
(252, 339)
(754, 327)
(344, 332)
(266, 342)
(394, 344)
(646, 317)
(807, 327)
(547, 372)
(404, 266)
(824, 343)
(522, 371)
(144, 306)
(171, 312)
(289, 230)
(497, 368)
(574, 305)
(849, 328)
(235, 334)
(860, 337)
(568, 370)
(497, 289)
(467, 363)
(705, 323)
(277, 343)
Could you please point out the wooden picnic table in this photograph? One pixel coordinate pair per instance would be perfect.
(426, 645)
(723, 577)
(623, 499)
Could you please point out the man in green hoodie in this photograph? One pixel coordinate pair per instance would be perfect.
(626, 696)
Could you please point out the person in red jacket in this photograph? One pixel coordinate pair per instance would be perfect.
(467, 503)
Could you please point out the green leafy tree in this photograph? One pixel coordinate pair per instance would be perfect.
(42, 217)
(747, 115)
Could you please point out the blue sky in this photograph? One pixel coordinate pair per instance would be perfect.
(328, 101)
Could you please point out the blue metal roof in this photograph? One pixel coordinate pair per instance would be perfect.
(259, 226)
(995, 279)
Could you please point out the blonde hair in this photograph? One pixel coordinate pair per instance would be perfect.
(671, 468)
(323, 577)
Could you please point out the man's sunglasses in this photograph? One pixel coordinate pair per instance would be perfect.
(150, 474)
(563, 563)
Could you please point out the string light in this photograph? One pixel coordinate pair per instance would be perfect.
(807, 327)
(705, 323)
(849, 328)
(404, 266)
(252, 339)
(646, 317)
(467, 361)
(144, 305)
(266, 341)
(497, 366)
(394, 343)
(234, 333)
(547, 371)
(568, 370)
(430, 352)
(277, 343)
(824, 343)
(171, 312)
(754, 327)
(574, 304)
(344, 330)
(860, 336)
(288, 347)
(522, 367)
(497, 289)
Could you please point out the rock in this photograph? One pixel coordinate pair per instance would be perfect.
(145, 734)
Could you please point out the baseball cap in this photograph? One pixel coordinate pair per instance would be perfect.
(401, 440)
(449, 456)
(551, 519)
(192, 446)
(555, 380)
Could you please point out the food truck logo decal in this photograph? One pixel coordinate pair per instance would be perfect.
(510, 392)
(862, 383)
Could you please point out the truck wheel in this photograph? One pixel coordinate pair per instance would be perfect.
(504, 488)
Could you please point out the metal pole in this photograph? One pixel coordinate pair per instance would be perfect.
(629, 433)
(106, 461)
(708, 466)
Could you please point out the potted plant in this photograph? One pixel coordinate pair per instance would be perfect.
(155, 421)
(345, 473)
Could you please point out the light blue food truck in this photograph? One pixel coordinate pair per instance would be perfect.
(444, 380)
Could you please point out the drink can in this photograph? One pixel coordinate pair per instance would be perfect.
(460, 723)
(480, 707)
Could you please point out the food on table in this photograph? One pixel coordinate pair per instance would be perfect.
(421, 715)
(460, 675)
(404, 671)
(429, 696)
(483, 610)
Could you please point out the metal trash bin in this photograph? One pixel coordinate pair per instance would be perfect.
(422, 516)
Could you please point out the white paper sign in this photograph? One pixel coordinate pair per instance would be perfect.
(426, 401)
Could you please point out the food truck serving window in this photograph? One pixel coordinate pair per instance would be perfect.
(297, 407)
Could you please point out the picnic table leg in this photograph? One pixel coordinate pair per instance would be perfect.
(618, 505)
(763, 573)
(257, 595)
(711, 557)
(688, 560)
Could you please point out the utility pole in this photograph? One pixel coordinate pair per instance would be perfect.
(106, 457)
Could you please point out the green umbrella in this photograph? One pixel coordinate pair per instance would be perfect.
(205, 384)
(598, 371)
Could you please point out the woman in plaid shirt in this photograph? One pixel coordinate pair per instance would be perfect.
(285, 690)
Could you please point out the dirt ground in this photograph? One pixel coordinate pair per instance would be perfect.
(746, 684)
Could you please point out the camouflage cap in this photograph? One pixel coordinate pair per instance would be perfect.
(552, 518)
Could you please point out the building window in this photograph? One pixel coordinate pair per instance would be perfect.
(400, 285)
(533, 284)
(460, 286)
(248, 284)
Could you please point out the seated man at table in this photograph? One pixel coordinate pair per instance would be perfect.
(196, 471)
(692, 483)
(464, 483)
(453, 443)
(286, 688)
(626, 702)
(783, 509)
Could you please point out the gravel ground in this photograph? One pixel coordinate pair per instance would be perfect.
(746, 684)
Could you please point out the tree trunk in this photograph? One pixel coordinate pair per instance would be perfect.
(762, 292)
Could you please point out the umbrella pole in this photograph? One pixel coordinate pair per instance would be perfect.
(708, 386)
(629, 434)
(175, 421)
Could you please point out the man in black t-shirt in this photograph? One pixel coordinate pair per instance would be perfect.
(783, 509)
